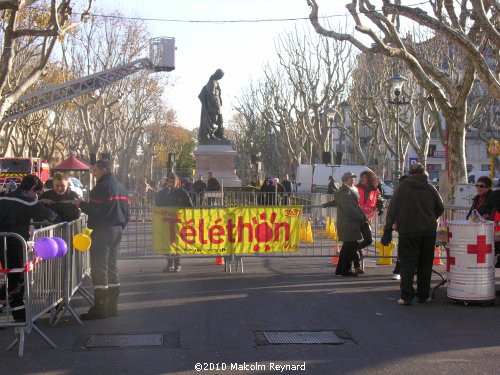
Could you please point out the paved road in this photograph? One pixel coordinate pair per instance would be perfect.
(208, 316)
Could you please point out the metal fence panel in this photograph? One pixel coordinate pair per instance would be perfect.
(138, 242)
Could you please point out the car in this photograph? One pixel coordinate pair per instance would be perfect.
(74, 184)
(388, 188)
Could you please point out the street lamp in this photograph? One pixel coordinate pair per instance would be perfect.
(333, 122)
(397, 83)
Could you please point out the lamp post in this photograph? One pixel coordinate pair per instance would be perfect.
(333, 122)
(152, 165)
(397, 83)
(330, 114)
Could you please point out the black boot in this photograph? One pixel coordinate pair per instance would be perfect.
(112, 305)
(98, 311)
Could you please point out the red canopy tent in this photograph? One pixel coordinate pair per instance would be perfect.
(71, 164)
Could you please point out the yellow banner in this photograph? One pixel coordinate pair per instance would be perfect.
(235, 230)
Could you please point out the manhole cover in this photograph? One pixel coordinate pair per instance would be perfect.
(302, 337)
(123, 341)
(126, 340)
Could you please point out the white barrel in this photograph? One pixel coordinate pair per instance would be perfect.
(471, 261)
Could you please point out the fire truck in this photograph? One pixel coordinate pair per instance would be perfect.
(16, 168)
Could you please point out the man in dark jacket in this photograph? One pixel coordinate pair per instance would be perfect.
(173, 195)
(199, 188)
(108, 211)
(287, 185)
(212, 186)
(60, 199)
(415, 207)
(350, 218)
(17, 209)
(333, 187)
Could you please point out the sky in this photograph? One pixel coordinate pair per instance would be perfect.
(240, 49)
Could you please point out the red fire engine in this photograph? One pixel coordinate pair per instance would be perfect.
(16, 168)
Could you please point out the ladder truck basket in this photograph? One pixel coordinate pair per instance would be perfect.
(162, 54)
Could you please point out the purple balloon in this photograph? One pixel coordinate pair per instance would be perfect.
(46, 247)
(62, 248)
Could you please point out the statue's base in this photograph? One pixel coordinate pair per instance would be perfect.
(218, 158)
(214, 142)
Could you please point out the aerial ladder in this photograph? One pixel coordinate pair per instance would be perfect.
(161, 58)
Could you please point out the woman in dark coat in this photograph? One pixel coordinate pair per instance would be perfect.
(350, 218)
(483, 201)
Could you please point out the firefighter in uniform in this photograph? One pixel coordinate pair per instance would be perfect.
(60, 199)
(108, 211)
(17, 209)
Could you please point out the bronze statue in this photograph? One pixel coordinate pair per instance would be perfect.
(211, 102)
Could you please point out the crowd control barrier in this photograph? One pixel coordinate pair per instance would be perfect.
(49, 284)
(318, 223)
(31, 305)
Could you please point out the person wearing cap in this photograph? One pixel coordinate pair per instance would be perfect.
(108, 211)
(350, 218)
(332, 185)
(415, 207)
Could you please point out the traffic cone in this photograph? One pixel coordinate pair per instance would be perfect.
(219, 261)
(302, 231)
(309, 234)
(327, 227)
(437, 254)
(333, 230)
(335, 259)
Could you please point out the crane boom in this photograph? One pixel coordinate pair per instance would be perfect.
(161, 59)
(35, 101)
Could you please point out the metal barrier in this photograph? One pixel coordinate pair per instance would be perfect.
(137, 239)
(77, 268)
(49, 284)
(75, 264)
(34, 302)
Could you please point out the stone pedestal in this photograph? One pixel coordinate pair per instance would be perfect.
(218, 159)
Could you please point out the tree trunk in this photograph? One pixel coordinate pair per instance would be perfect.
(455, 146)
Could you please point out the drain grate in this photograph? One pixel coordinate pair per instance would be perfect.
(124, 341)
(302, 337)
(127, 340)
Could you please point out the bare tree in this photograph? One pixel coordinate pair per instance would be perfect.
(289, 103)
(112, 119)
(31, 29)
(464, 28)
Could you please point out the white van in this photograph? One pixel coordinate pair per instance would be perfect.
(314, 178)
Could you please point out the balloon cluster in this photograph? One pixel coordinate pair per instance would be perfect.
(82, 241)
(48, 247)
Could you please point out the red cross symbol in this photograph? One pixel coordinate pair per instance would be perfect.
(480, 249)
(450, 261)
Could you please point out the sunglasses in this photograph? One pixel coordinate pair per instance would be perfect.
(481, 186)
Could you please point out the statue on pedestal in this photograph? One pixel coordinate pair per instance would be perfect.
(211, 127)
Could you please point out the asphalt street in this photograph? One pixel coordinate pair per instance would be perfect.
(218, 323)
